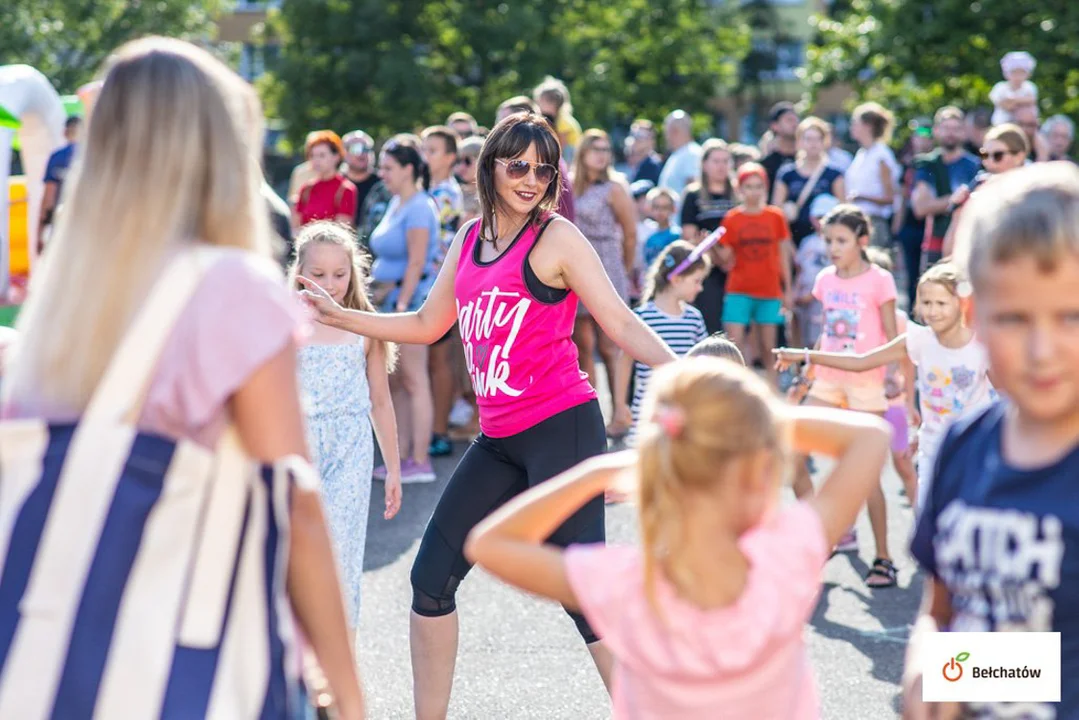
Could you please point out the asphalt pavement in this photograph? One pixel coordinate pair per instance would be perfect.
(521, 658)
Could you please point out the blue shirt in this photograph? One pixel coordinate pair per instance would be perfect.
(389, 240)
(658, 240)
(1005, 543)
(58, 165)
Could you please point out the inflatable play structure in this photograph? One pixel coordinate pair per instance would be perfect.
(31, 115)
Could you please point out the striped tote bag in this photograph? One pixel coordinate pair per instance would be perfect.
(142, 577)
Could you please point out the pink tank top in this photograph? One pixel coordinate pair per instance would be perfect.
(518, 349)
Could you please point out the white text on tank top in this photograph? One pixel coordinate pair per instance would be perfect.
(489, 367)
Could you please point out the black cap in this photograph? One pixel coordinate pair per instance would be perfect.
(780, 109)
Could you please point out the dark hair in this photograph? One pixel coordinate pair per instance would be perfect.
(780, 109)
(851, 217)
(72, 121)
(719, 346)
(658, 278)
(405, 149)
(510, 139)
(449, 137)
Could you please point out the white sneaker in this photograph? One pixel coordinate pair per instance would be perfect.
(461, 414)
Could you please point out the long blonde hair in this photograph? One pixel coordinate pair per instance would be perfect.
(355, 298)
(171, 157)
(721, 411)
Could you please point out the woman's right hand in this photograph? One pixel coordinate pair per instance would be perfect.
(326, 309)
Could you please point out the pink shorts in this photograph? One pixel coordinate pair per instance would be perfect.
(896, 415)
(867, 398)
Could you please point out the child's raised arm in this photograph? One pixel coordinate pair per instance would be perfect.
(509, 544)
(894, 351)
(384, 421)
(860, 442)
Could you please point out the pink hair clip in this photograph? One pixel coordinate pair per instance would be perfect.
(671, 419)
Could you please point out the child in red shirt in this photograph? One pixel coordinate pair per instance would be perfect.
(757, 250)
(329, 195)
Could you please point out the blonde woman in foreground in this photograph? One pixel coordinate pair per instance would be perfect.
(170, 166)
(707, 614)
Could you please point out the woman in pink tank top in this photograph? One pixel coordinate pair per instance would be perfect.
(512, 280)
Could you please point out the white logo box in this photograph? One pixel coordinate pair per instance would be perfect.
(1022, 667)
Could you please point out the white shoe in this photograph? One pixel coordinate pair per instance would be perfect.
(461, 414)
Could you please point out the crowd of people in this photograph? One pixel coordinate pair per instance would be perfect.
(165, 377)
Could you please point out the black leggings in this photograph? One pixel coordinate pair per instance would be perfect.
(492, 471)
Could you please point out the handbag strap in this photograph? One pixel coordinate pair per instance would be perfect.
(126, 380)
(810, 184)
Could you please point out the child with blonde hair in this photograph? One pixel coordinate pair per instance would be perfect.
(998, 535)
(345, 386)
(952, 366)
(708, 612)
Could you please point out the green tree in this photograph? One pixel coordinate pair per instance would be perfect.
(917, 55)
(68, 40)
(391, 65)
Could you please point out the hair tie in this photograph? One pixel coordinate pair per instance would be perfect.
(668, 262)
(671, 419)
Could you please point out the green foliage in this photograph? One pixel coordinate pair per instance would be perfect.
(68, 40)
(394, 65)
(916, 55)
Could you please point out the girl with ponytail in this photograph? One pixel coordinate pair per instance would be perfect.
(406, 245)
(708, 611)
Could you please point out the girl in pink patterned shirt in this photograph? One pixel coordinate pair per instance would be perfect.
(705, 618)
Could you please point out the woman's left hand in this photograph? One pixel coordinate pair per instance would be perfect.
(326, 309)
(393, 496)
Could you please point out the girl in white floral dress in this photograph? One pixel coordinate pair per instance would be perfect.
(344, 379)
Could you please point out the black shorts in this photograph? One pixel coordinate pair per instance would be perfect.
(492, 471)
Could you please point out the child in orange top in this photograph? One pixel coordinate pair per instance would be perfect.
(756, 247)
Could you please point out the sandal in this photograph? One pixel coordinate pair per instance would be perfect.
(882, 568)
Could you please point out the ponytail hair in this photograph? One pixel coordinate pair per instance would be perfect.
(356, 297)
(405, 149)
(699, 416)
(658, 278)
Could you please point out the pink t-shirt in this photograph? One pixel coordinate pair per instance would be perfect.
(240, 317)
(852, 319)
(746, 660)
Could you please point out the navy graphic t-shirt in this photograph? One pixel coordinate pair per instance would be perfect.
(1005, 542)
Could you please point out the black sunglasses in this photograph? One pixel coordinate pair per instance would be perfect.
(466, 161)
(997, 156)
(517, 169)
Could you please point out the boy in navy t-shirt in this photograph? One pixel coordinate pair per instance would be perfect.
(999, 532)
